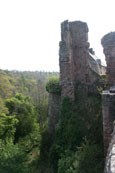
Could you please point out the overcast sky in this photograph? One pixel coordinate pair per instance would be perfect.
(30, 30)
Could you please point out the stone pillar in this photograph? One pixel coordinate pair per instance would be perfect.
(108, 109)
(108, 43)
(73, 54)
(65, 60)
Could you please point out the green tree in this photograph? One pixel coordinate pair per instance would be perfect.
(23, 109)
(6, 89)
(7, 127)
(13, 159)
(3, 108)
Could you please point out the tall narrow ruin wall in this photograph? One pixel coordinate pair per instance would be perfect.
(74, 57)
(75, 66)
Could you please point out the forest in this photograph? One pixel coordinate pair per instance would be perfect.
(23, 118)
(26, 146)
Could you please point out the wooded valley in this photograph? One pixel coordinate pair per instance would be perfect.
(25, 144)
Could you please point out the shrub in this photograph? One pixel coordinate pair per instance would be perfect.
(65, 164)
(7, 127)
(53, 85)
(88, 158)
(103, 77)
(25, 113)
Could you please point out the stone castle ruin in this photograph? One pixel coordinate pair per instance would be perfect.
(78, 64)
(77, 61)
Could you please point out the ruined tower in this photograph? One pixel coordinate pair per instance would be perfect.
(74, 57)
(77, 66)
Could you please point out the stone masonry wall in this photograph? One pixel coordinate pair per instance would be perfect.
(53, 112)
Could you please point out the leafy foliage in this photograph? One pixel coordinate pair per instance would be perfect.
(22, 119)
(31, 140)
(88, 158)
(53, 85)
(25, 113)
(7, 127)
(65, 164)
(12, 158)
(3, 108)
(78, 120)
(6, 88)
